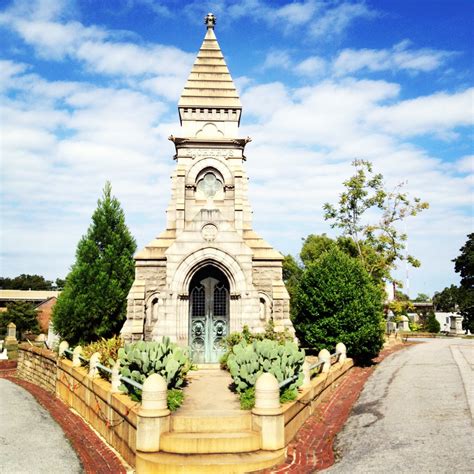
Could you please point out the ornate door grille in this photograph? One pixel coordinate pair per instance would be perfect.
(209, 312)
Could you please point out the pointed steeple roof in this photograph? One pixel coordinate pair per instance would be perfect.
(210, 84)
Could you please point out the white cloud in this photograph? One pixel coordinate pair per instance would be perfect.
(277, 59)
(322, 19)
(439, 114)
(98, 48)
(397, 58)
(334, 21)
(311, 66)
(465, 164)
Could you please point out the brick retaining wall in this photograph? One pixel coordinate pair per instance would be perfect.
(37, 366)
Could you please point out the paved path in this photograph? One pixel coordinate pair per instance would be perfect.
(30, 440)
(415, 413)
(208, 390)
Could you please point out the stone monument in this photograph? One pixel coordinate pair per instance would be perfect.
(209, 273)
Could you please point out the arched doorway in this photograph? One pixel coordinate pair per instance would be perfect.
(208, 314)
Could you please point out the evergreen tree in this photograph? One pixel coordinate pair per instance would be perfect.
(432, 324)
(93, 301)
(337, 301)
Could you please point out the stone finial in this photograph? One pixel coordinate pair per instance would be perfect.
(63, 345)
(94, 360)
(76, 361)
(154, 393)
(267, 392)
(210, 21)
(341, 352)
(325, 356)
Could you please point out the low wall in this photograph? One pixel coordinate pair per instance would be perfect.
(37, 366)
(297, 412)
(113, 415)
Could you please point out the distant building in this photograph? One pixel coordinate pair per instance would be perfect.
(42, 300)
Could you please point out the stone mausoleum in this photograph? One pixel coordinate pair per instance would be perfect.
(208, 274)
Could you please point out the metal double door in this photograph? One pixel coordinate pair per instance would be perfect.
(209, 315)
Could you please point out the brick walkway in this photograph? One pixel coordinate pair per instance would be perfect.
(312, 448)
(95, 455)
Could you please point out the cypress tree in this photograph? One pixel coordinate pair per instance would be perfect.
(93, 302)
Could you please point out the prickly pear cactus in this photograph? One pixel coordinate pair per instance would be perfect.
(140, 359)
(248, 361)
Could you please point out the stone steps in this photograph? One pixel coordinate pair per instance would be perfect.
(208, 463)
(210, 442)
(219, 421)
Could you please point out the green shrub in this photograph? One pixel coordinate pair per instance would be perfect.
(139, 360)
(414, 326)
(432, 324)
(247, 398)
(175, 398)
(248, 361)
(337, 301)
(107, 348)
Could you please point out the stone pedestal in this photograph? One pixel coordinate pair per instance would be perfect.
(456, 324)
(11, 335)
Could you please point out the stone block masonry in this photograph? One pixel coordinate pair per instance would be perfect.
(112, 415)
(37, 366)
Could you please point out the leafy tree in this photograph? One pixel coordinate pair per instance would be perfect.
(447, 299)
(337, 301)
(314, 246)
(464, 265)
(422, 298)
(93, 302)
(379, 244)
(22, 314)
(60, 282)
(25, 282)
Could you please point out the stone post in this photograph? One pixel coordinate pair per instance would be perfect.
(306, 375)
(11, 334)
(63, 345)
(325, 356)
(153, 417)
(94, 360)
(341, 352)
(267, 416)
(115, 380)
(76, 361)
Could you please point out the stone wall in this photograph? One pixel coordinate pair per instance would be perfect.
(113, 415)
(37, 366)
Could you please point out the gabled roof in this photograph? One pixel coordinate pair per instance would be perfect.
(210, 84)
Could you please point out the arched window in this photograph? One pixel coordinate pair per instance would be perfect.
(210, 184)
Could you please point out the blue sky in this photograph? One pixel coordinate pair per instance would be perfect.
(89, 92)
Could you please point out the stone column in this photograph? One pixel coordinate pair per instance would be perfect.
(153, 417)
(267, 416)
